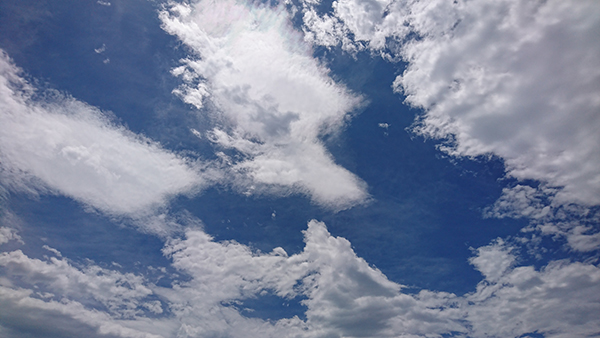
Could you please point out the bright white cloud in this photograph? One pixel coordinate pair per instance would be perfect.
(53, 296)
(573, 222)
(53, 143)
(121, 294)
(272, 100)
(517, 79)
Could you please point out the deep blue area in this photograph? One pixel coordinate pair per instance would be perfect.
(272, 307)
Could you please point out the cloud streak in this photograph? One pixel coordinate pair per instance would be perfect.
(53, 143)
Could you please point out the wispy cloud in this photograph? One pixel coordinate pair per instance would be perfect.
(50, 142)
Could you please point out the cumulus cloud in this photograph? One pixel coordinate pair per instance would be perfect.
(52, 296)
(270, 100)
(560, 300)
(53, 143)
(575, 223)
(120, 294)
(344, 296)
(515, 79)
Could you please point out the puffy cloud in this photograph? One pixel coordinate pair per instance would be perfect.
(344, 295)
(356, 24)
(38, 298)
(270, 100)
(560, 300)
(53, 143)
(23, 314)
(575, 223)
(516, 79)
(120, 294)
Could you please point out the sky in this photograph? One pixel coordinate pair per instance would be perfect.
(299, 168)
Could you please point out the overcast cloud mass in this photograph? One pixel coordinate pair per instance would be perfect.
(300, 168)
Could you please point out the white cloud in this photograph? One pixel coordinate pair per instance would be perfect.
(8, 234)
(344, 296)
(53, 143)
(272, 100)
(22, 314)
(121, 294)
(493, 260)
(55, 297)
(513, 78)
(573, 222)
(561, 300)
(517, 79)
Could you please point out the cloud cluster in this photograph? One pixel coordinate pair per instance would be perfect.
(560, 300)
(53, 143)
(344, 296)
(270, 100)
(517, 79)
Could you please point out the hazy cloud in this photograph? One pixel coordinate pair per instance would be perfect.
(53, 143)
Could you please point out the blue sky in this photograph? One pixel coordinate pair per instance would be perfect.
(304, 168)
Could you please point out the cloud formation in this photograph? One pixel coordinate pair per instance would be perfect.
(56, 144)
(515, 79)
(344, 296)
(271, 101)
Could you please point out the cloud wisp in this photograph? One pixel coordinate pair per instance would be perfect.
(52, 143)
(270, 100)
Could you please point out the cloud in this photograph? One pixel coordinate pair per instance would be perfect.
(120, 294)
(55, 298)
(344, 296)
(560, 300)
(516, 79)
(575, 223)
(51, 143)
(8, 234)
(270, 100)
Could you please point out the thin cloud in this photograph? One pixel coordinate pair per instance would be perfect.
(59, 145)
